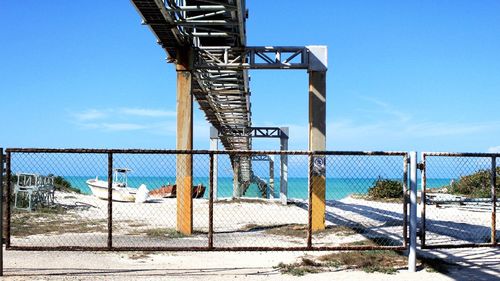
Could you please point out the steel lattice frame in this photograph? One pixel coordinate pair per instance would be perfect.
(222, 93)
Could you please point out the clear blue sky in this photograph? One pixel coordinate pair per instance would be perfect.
(403, 75)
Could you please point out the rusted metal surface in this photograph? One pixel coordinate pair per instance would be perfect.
(110, 200)
(7, 199)
(423, 202)
(309, 205)
(461, 154)
(490, 157)
(211, 204)
(202, 249)
(405, 200)
(210, 244)
(493, 201)
(229, 152)
(1, 210)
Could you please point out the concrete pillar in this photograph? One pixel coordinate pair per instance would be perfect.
(284, 166)
(317, 130)
(271, 177)
(236, 178)
(184, 165)
(214, 145)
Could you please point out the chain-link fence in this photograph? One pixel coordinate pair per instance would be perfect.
(459, 200)
(204, 200)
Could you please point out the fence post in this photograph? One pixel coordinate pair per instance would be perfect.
(1, 210)
(406, 162)
(423, 202)
(493, 200)
(7, 198)
(110, 201)
(309, 197)
(412, 255)
(211, 203)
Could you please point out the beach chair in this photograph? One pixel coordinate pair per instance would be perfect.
(33, 190)
(26, 188)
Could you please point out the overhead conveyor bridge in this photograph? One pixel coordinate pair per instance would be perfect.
(206, 39)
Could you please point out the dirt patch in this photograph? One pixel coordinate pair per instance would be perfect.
(300, 230)
(53, 221)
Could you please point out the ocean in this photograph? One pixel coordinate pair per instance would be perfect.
(336, 188)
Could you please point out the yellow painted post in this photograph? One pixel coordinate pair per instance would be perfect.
(184, 165)
(317, 142)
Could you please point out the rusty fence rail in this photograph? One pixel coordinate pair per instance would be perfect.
(459, 200)
(78, 199)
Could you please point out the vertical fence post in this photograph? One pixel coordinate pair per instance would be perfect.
(493, 200)
(110, 201)
(7, 199)
(211, 204)
(405, 200)
(412, 255)
(1, 211)
(309, 197)
(423, 203)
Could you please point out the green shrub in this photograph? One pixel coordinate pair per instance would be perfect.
(386, 188)
(475, 185)
(62, 184)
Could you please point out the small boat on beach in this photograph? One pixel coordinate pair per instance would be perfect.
(170, 191)
(121, 191)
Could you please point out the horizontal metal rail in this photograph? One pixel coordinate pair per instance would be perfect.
(230, 152)
(461, 154)
(202, 249)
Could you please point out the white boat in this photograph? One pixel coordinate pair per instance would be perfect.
(121, 191)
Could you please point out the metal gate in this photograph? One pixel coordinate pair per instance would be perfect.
(237, 211)
(458, 200)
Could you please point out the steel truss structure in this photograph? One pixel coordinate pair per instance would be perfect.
(214, 33)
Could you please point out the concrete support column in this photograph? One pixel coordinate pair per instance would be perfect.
(317, 131)
(284, 166)
(214, 145)
(236, 178)
(184, 165)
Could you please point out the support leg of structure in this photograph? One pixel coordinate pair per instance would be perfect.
(317, 142)
(271, 177)
(284, 167)
(214, 145)
(236, 179)
(184, 171)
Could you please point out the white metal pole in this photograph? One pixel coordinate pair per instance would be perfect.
(412, 255)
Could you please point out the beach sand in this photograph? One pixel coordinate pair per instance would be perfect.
(239, 223)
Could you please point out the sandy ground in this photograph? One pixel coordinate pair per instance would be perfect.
(133, 220)
(472, 264)
(231, 221)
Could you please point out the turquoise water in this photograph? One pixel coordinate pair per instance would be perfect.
(336, 188)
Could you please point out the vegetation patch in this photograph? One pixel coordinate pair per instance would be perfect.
(300, 230)
(306, 265)
(477, 185)
(61, 184)
(53, 221)
(164, 232)
(369, 261)
(141, 255)
(161, 232)
(386, 189)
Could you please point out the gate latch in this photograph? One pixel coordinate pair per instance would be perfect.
(421, 166)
